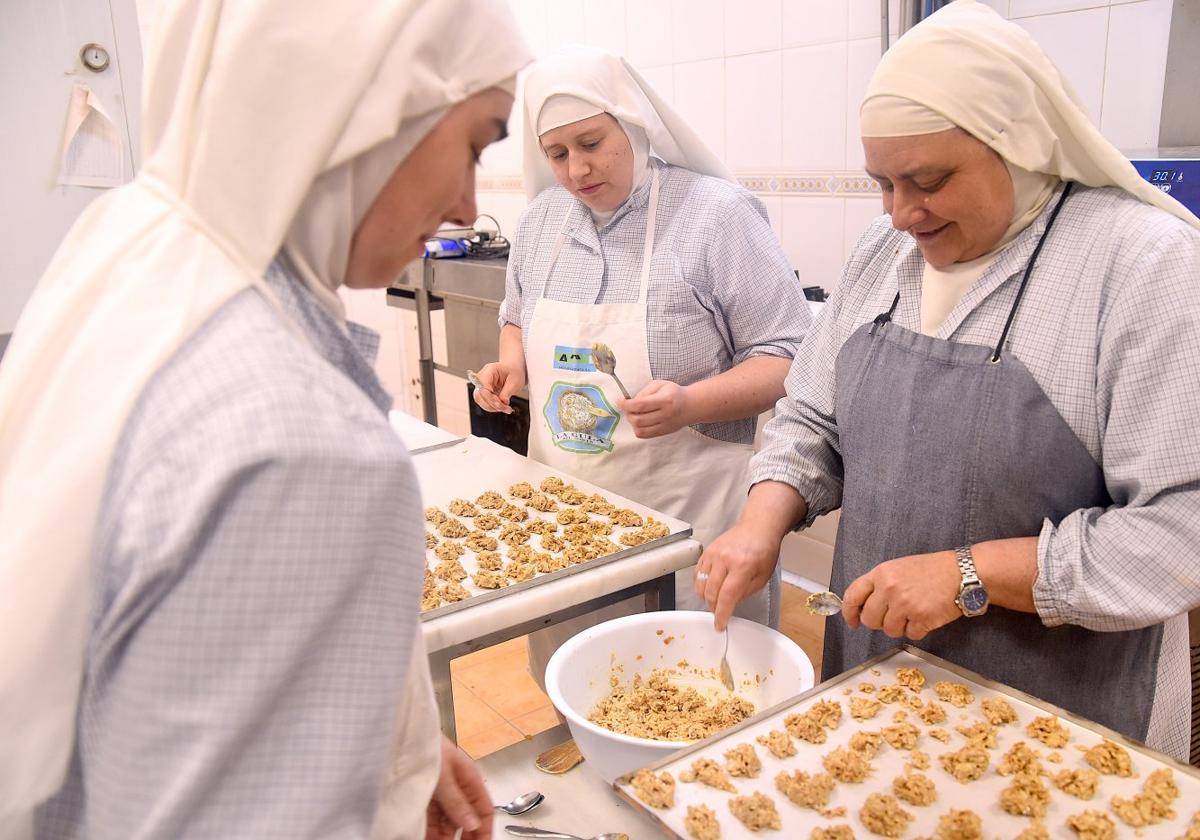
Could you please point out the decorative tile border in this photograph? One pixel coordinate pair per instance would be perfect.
(844, 184)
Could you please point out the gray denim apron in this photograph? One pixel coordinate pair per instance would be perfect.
(945, 444)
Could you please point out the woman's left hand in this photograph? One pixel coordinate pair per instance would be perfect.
(658, 409)
(907, 597)
(460, 799)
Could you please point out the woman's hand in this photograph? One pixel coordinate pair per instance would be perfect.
(737, 564)
(908, 597)
(502, 380)
(460, 799)
(658, 409)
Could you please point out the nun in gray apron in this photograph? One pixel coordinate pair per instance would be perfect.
(904, 400)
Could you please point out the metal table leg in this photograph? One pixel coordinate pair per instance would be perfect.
(425, 356)
(443, 691)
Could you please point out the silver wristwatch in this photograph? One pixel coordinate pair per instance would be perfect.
(972, 596)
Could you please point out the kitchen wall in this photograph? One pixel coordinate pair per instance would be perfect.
(774, 86)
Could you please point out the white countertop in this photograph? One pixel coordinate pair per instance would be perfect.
(417, 434)
(577, 802)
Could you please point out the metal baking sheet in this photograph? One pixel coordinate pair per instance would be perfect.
(472, 466)
(980, 796)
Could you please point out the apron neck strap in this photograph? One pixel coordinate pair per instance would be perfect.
(885, 317)
(1012, 313)
(647, 246)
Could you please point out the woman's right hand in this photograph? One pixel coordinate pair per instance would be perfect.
(737, 564)
(501, 381)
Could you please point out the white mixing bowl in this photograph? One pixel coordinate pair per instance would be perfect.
(768, 668)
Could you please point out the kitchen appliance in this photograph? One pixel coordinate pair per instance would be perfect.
(1175, 171)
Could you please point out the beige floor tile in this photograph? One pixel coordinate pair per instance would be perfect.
(471, 714)
(488, 741)
(536, 721)
(505, 650)
(505, 685)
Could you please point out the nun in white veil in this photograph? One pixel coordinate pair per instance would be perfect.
(191, 641)
(1000, 397)
(638, 237)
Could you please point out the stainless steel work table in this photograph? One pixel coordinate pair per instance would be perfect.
(469, 290)
(466, 468)
(650, 575)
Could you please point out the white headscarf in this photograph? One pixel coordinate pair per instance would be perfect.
(967, 66)
(262, 121)
(581, 82)
(563, 109)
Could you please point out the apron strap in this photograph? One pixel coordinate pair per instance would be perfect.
(1012, 313)
(554, 249)
(648, 243)
(647, 246)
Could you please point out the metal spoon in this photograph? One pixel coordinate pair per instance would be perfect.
(824, 603)
(606, 362)
(726, 671)
(522, 831)
(473, 378)
(524, 802)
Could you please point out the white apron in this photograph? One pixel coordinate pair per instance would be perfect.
(416, 756)
(688, 475)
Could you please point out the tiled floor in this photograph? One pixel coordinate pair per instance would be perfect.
(497, 703)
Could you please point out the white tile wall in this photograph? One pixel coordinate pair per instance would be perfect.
(700, 99)
(814, 107)
(1076, 42)
(649, 34)
(1134, 70)
(1029, 8)
(864, 18)
(776, 84)
(699, 29)
(605, 22)
(534, 22)
(506, 207)
(861, 59)
(812, 238)
(813, 22)
(753, 129)
(565, 23)
(752, 25)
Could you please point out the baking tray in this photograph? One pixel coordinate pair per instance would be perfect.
(889, 763)
(469, 467)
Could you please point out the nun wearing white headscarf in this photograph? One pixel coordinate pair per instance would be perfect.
(638, 238)
(210, 541)
(1001, 397)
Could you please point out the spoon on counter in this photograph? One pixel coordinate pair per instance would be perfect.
(522, 831)
(605, 361)
(524, 802)
(824, 603)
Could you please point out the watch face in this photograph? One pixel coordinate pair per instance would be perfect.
(974, 599)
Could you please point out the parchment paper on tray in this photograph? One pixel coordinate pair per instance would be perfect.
(909, 745)
(499, 523)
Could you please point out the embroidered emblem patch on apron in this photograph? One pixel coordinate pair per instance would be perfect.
(581, 419)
